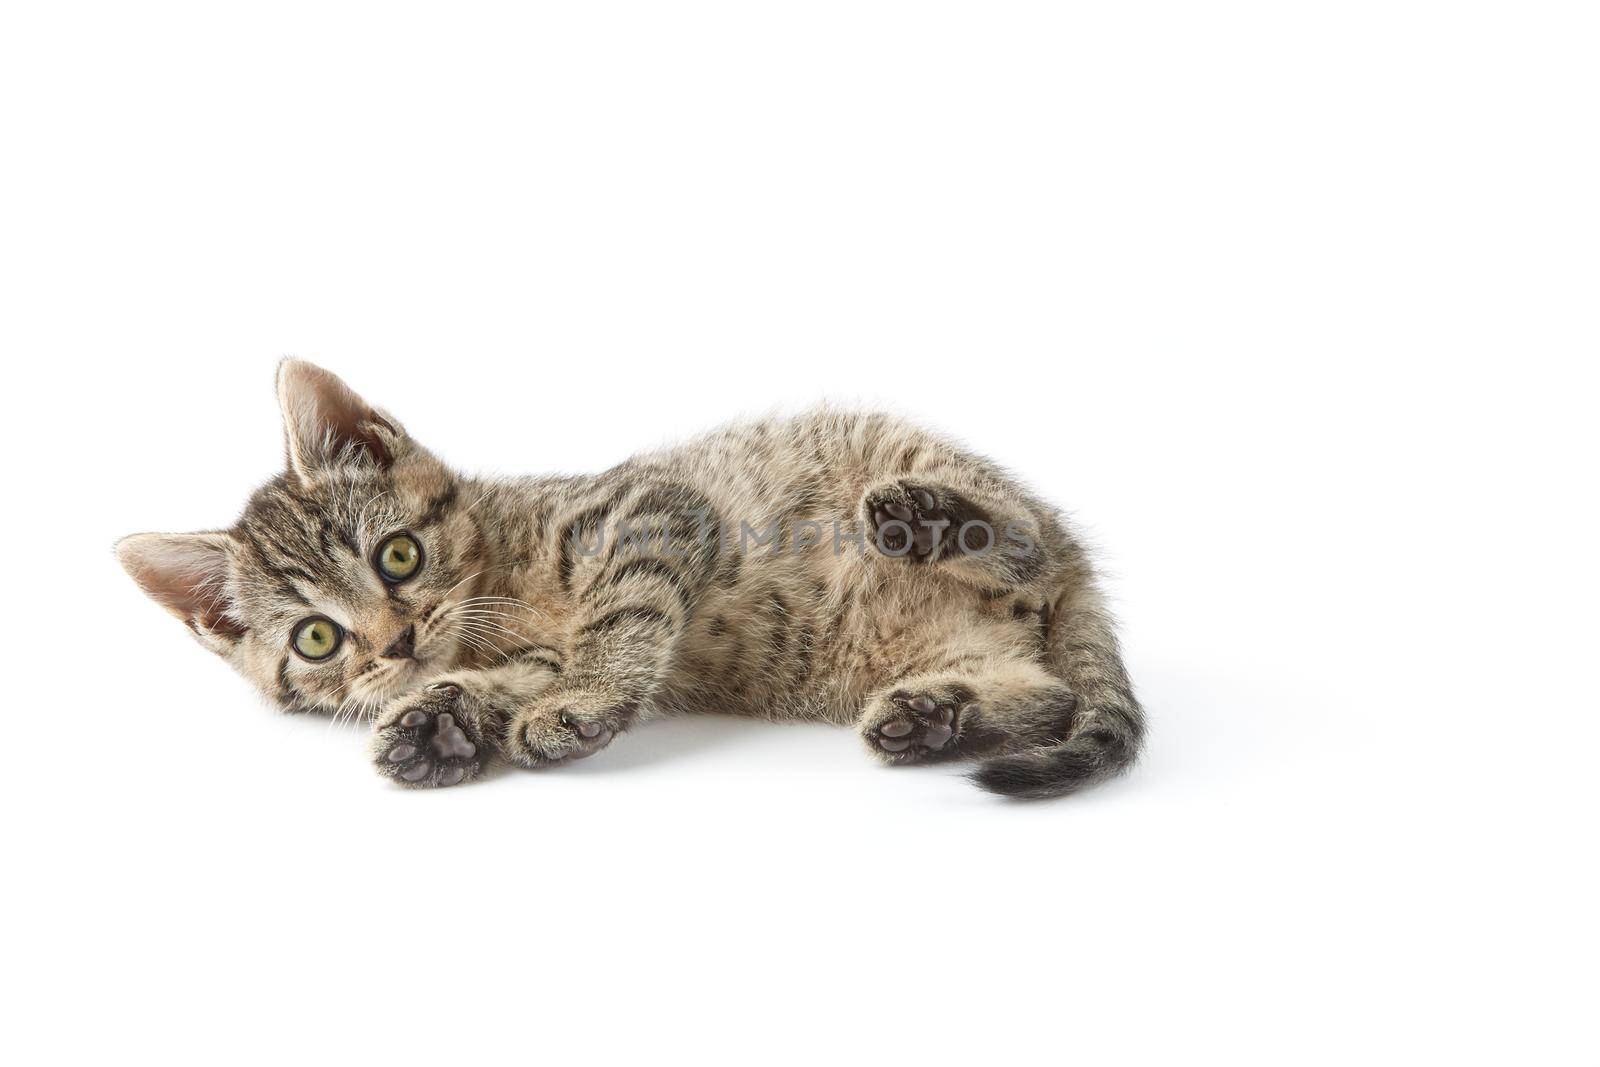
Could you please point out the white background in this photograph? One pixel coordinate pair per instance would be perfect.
(1291, 305)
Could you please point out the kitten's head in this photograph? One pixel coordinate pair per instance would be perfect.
(333, 589)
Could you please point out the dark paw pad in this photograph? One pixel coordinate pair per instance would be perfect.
(919, 725)
(432, 743)
(915, 522)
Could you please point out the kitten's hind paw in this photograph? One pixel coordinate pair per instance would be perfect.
(429, 739)
(906, 726)
(919, 523)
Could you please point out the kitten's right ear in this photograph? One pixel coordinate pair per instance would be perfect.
(325, 423)
(188, 575)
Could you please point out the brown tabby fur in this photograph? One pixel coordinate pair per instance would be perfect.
(541, 631)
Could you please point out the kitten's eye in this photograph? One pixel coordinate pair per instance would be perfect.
(317, 638)
(399, 558)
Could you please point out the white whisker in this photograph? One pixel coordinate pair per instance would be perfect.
(481, 616)
(461, 583)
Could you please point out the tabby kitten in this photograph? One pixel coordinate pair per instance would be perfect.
(837, 566)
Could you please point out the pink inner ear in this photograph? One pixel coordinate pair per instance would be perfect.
(184, 573)
(321, 412)
(360, 430)
(212, 618)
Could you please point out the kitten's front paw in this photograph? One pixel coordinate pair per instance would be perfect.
(430, 738)
(563, 726)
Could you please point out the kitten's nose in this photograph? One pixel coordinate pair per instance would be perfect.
(404, 646)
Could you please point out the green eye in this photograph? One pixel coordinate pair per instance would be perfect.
(317, 638)
(399, 558)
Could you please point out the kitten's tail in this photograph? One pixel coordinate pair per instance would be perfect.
(1099, 749)
(1108, 728)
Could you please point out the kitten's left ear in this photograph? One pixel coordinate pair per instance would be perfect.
(188, 575)
(325, 423)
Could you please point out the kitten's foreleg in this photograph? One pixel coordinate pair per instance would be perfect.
(617, 661)
(446, 733)
(633, 605)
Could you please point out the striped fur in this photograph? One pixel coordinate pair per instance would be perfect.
(551, 614)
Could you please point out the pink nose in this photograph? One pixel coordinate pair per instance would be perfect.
(404, 646)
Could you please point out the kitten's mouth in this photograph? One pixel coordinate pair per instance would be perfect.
(399, 677)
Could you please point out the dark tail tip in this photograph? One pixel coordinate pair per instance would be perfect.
(1092, 755)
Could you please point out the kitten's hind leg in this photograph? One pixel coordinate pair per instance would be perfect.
(916, 522)
(981, 534)
(982, 707)
(1107, 729)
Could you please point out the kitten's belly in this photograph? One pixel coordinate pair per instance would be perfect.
(810, 637)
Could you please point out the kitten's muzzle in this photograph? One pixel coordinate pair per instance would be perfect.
(404, 646)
